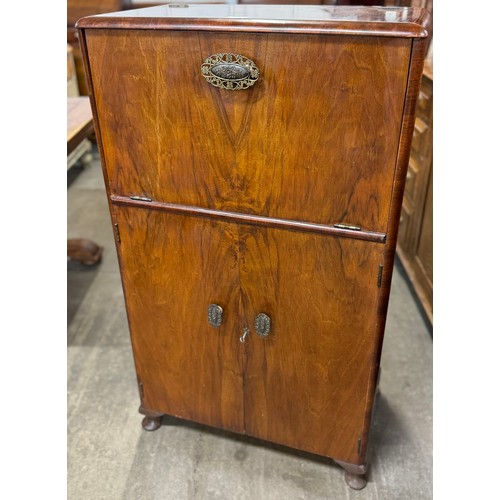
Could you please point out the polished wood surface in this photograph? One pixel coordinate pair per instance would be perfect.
(252, 219)
(296, 382)
(419, 48)
(236, 197)
(321, 295)
(303, 19)
(329, 150)
(173, 268)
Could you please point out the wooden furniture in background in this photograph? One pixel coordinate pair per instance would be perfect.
(256, 228)
(80, 8)
(72, 80)
(415, 248)
(80, 126)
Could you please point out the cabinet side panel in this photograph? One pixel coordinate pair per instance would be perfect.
(306, 384)
(173, 268)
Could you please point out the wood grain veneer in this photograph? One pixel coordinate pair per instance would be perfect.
(232, 198)
(304, 19)
(188, 369)
(251, 219)
(321, 293)
(329, 152)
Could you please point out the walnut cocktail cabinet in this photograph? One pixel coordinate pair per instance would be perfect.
(254, 160)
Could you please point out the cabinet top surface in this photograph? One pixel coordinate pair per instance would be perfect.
(320, 19)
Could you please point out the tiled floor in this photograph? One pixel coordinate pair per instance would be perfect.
(111, 457)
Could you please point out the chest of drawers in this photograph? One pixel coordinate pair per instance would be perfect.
(254, 160)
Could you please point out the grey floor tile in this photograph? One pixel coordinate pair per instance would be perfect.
(92, 178)
(79, 280)
(186, 461)
(103, 422)
(101, 319)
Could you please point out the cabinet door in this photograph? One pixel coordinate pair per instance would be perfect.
(315, 139)
(306, 383)
(173, 267)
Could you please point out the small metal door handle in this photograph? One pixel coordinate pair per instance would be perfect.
(263, 324)
(246, 333)
(215, 315)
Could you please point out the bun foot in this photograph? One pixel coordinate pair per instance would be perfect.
(151, 420)
(354, 475)
(355, 481)
(151, 423)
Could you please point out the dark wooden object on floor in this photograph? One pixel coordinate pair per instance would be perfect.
(85, 251)
(256, 228)
(79, 127)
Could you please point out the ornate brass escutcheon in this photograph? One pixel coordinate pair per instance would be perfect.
(263, 324)
(230, 71)
(215, 315)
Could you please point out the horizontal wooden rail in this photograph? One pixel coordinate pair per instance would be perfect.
(293, 225)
